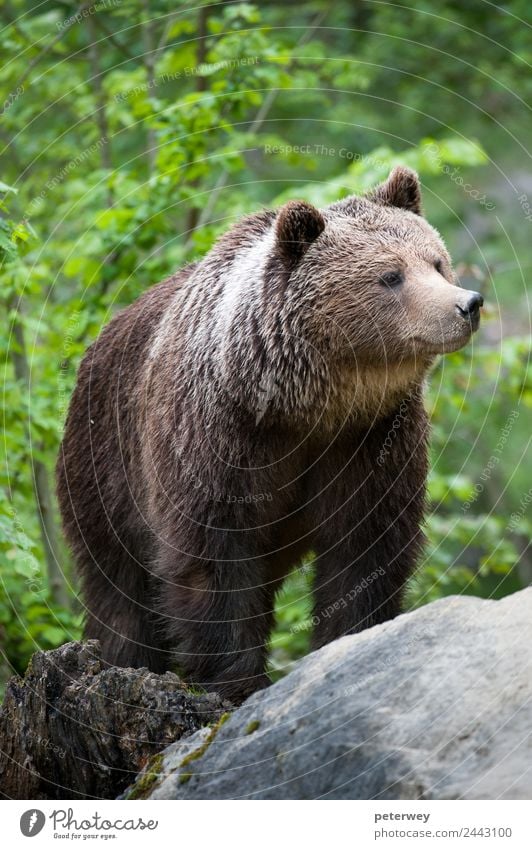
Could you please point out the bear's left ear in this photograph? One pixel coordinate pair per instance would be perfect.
(401, 189)
(298, 225)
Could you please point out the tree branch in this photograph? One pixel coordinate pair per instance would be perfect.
(45, 50)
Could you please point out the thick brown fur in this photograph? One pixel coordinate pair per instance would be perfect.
(236, 417)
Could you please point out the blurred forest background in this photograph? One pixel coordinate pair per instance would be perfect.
(134, 132)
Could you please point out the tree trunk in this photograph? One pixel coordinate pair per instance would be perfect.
(201, 85)
(149, 58)
(40, 480)
(74, 729)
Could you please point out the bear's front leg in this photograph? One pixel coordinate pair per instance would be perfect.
(360, 581)
(218, 617)
(367, 534)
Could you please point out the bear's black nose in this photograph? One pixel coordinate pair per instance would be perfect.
(469, 308)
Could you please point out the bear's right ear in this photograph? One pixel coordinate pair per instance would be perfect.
(298, 225)
(401, 189)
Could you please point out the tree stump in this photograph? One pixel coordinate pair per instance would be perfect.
(74, 729)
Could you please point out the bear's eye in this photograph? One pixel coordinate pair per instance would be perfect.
(438, 265)
(392, 278)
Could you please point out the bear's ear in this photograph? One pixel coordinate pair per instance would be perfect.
(401, 189)
(298, 225)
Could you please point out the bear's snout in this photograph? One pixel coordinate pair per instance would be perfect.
(469, 308)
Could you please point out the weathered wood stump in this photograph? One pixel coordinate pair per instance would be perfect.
(72, 728)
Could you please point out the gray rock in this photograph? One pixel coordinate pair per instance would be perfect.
(434, 705)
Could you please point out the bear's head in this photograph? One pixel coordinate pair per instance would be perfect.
(381, 280)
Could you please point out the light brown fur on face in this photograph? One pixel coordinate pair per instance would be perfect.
(377, 340)
(417, 318)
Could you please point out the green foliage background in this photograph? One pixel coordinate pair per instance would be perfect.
(133, 133)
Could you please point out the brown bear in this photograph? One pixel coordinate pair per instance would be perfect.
(260, 404)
